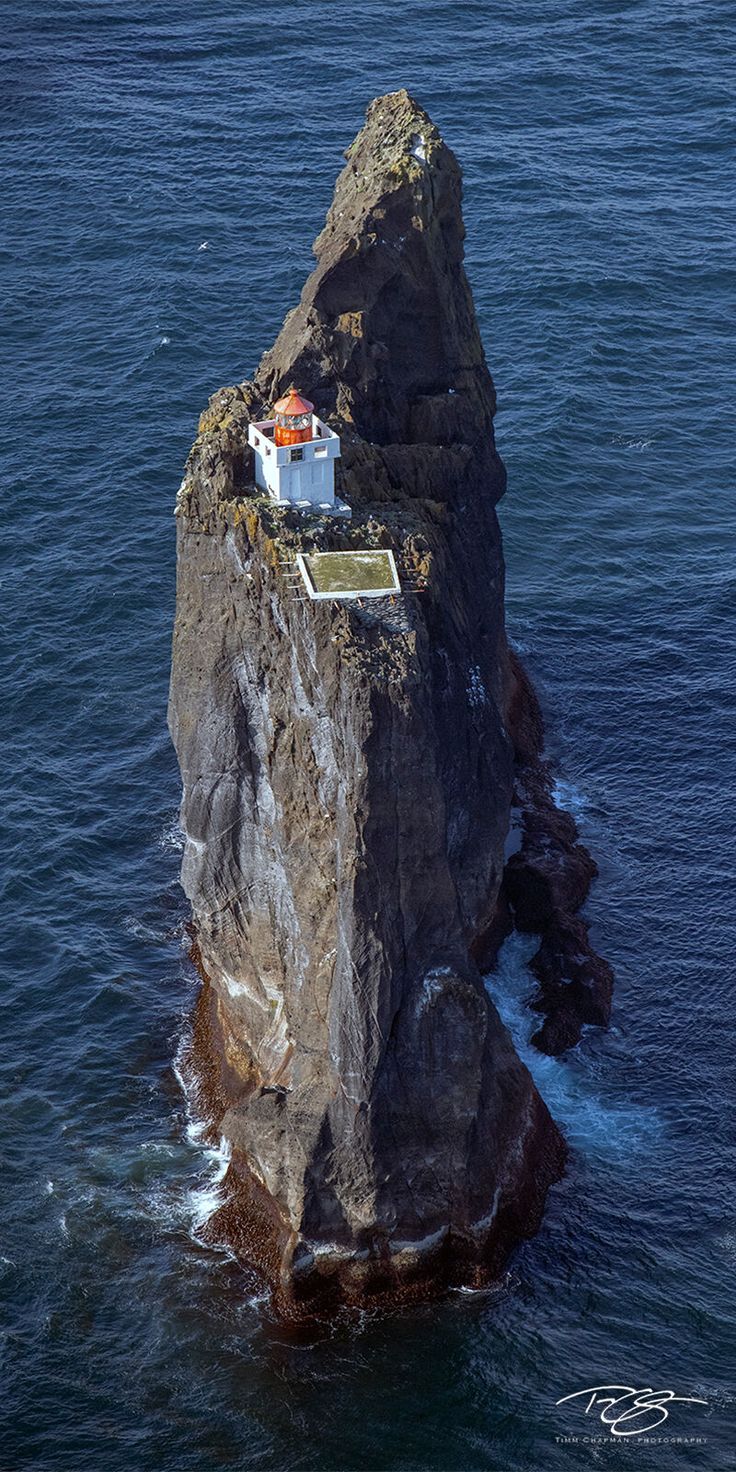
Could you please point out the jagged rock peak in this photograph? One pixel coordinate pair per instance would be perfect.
(386, 320)
(348, 779)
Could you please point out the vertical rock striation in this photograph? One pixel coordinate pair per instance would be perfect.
(348, 776)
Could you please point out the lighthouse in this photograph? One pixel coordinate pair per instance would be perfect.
(295, 454)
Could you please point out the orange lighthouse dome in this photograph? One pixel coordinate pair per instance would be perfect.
(293, 416)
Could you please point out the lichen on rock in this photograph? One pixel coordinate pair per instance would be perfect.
(348, 775)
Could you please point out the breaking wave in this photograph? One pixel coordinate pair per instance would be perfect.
(570, 1086)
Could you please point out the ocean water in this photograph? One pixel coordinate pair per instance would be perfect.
(166, 168)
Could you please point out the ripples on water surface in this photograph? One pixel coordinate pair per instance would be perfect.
(165, 172)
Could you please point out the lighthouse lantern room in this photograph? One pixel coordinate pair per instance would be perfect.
(295, 457)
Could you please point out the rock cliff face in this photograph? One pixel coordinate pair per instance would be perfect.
(348, 775)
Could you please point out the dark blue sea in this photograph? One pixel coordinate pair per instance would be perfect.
(165, 170)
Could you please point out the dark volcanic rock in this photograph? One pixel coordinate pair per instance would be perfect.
(545, 884)
(348, 775)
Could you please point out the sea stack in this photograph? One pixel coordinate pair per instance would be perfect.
(348, 767)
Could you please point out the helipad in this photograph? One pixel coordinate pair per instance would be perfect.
(369, 574)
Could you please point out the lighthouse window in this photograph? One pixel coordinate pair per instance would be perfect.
(320, 450)
(297, 454)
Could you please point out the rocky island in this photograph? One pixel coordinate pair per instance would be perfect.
(349, 769)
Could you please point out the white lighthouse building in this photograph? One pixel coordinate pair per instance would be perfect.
(295, 457)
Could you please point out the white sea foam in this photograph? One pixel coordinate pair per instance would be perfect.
(204, 1199)
(569, 797)
(591, 1122)
(487, 1291)
(172, 835)
(196, 1127)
